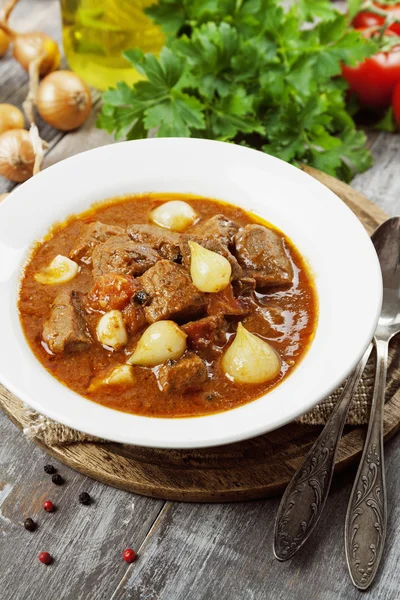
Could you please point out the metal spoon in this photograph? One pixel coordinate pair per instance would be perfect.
(366, 517)
(305, 496)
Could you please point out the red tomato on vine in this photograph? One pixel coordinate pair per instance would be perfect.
(366, 19)
(374, 79)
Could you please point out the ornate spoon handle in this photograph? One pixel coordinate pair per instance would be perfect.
(366, 517)
(304, 498)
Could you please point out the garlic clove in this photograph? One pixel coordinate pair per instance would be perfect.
(174, 215)
(162, 341)
(210, 271)
(60, 270)
(121, 375)
(249, 359)
(111, 330)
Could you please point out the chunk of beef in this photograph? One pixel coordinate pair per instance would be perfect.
(134, 318)
(205, 333)
(123, 256)
(111, 291)
(217, 227)
(91, 235)
(215, 245)
(261, 253)
(268, 321)
(173, 295)
(166, 243)
(188, 374)
(245, 286)
(66, 330)
(225, 303)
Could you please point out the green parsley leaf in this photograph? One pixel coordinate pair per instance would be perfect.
(176, 116)
(354, 7)
(309, 10)
(168, 15)
(250, 72)
(387, 123)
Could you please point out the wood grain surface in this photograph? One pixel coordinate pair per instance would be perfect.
(245, 471)
(186, 551)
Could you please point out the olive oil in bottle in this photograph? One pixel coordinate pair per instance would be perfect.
(97, 32)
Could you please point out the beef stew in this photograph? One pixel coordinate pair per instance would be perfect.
(87, 325)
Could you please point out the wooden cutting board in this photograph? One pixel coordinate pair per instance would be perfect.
(247, 470)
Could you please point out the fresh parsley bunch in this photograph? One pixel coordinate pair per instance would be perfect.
(250, 72)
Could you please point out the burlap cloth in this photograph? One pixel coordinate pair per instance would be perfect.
(52, 433)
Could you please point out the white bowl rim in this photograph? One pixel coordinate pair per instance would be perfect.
(35, 386)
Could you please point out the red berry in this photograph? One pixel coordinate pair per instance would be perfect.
(48, 506)
(45, 558)
(129, 555)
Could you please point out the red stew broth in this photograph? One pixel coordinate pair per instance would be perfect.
(291, 334)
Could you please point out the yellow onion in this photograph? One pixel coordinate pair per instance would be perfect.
(10, 118)
(249, 359)
(36, 46)
(60, 270)
(162, 341)
(210, 271)
(4, 42)
(63, 100)
(120, 375)
(17, 156)
(111, 330)
(175, 215)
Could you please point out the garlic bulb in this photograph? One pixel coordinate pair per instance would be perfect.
(60, 270)
(162, 341)
(210, 271)
(175, 215)
(249, 359)
(121, 375)
(111, 330)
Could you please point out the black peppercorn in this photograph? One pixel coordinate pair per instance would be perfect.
(178, 259)
(49, 469)
(30, 524)
(84, 498)
(57, 479)
(142, 298)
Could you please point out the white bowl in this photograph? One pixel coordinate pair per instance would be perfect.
(326, 232)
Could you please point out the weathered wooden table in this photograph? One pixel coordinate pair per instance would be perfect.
(186, 551)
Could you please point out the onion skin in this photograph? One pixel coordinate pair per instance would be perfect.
(4, 42)
(10, 118)
(17, 157)
(30, 46)
(63, 100)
